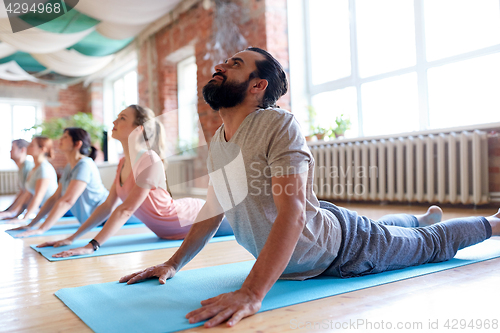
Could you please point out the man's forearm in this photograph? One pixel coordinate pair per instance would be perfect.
(276, 252)
(18, 207)
(16, 199)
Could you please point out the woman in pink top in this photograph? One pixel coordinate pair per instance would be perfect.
(140, 183)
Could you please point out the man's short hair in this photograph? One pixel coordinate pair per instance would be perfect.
(272, 71)
(21, 143)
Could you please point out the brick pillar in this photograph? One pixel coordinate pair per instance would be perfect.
(494, 162)
(277, 40)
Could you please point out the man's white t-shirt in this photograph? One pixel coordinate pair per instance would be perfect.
(267, 144)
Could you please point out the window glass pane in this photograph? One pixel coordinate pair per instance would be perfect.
(119, 96)
(465, 93)
(390, 105)
(6, 138)
(130, 88)
(24, 117)
(332, 104)
(187, 94)
(458, 26)
(386, 35)
(330, 52)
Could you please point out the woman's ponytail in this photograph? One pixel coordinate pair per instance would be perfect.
(93, 152)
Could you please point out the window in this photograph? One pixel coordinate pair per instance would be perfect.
(187, 96)
(120, 91)
(124, 91)
(397, 66)
(16, 117)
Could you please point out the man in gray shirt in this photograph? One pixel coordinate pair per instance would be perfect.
(261, 173)
(23, 197)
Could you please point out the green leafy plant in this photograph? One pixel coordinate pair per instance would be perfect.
(343, 124)
(320, 132)
(54, 127)
(311, 119)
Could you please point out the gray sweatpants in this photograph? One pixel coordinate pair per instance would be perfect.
(396, 241)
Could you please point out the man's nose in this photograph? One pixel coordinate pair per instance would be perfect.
(220, 68)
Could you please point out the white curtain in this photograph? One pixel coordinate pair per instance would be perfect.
(35, 40)
(6, 50)
(72, 63)
(11, 71)
(126, 12)
(120, 19)
(119, 31)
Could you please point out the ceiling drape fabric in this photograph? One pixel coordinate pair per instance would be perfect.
(11, 71)
(35, 40)
(72, 63)
(119, 31)
(6, 50)
(119, 20)
(126, 12)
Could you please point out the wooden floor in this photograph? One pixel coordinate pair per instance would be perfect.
(28, 282)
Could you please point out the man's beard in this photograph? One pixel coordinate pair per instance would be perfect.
(227, 94)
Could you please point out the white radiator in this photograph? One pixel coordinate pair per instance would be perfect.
(444, 168)
(8, 182)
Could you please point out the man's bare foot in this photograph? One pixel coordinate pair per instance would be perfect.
(495, 223)
(433, 215)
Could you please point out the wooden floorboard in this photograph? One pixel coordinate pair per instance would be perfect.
(28, 282)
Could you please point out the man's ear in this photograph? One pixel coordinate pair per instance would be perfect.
(258, 86)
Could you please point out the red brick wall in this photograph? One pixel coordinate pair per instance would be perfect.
(494, 162)
(256, 23)
(259, 28)
(57, 101)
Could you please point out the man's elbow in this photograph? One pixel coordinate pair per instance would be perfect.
(297, 209)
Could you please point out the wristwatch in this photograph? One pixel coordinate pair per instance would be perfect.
(95, 244)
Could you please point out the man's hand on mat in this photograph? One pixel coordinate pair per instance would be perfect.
(87, 249)
(162, 272)
(232, 307)
(29, 233)
(58, 243)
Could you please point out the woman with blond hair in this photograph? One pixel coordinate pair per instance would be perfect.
(140, 183)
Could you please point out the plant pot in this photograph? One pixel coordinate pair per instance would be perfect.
(320, 136)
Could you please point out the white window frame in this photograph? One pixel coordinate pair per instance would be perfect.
(23, 102)
(305, 93)
(109, 111)
(180, 65)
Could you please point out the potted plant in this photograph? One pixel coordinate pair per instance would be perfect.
(311, 116)
(343, 124)
(320, 132)
(54, 127)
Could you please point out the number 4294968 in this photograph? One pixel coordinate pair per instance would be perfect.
(23, 8)
(455, 324)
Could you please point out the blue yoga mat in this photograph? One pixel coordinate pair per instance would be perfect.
(61, 229)
(64, 218)
(120, 244)
(152, 307)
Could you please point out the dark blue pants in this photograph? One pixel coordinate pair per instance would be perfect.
(396, 241)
